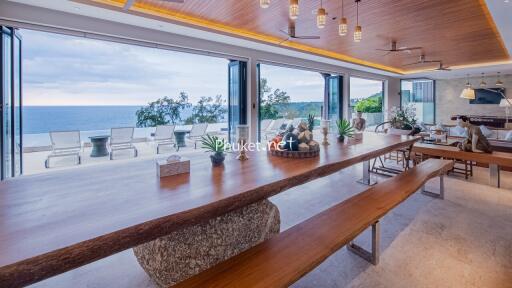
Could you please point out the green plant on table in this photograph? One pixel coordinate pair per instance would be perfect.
(213, 144)
(311, 122)
(345, 129)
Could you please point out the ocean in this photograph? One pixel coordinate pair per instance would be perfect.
(43, 119)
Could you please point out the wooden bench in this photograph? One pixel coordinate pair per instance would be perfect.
(285, 258)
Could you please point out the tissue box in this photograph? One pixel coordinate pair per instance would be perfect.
(164, 168)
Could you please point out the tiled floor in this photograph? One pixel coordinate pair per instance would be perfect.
(462, 241)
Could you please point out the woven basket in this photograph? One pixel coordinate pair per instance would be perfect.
(294, 154)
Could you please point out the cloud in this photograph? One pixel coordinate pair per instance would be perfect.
(66, 70)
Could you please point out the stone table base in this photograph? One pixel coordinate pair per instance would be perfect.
(184, 253)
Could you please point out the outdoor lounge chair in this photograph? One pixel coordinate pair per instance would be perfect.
(65, 143)
(122, 139)
(274, 127)
(197, 131)
(264, 124)
(164, 135)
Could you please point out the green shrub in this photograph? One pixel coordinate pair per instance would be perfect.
(369, 105)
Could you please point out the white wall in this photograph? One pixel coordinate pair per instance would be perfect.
(449, 103)
(20, 15)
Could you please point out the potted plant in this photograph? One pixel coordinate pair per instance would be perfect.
(215, 145)
(344, 130)
(311, 122)
(402, 120)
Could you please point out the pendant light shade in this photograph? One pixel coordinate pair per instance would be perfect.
(468, 92)
(264, 3)
(294, 9)
(498, 81)
(343, 27)
(468, 85)
(321, 16)
(483, 83)
(343, 24)
(358, 32)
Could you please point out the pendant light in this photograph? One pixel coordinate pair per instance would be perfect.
(468, 92)
(498, 81)
(343, 25)
(321, 16)
(482, 83)
(294, 9)
(358, 32)
(264, 3)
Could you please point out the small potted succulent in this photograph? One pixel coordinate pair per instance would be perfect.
(344, 130)
(215, 145)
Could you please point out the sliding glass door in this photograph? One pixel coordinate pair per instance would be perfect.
(420, 93)
(237, 100)
(334, 98)
(11, 148)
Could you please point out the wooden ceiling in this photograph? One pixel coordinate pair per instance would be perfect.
(458, 32)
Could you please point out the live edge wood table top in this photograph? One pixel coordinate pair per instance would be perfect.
(54, 222)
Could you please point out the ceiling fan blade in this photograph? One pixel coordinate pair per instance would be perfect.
(284, 32)
(307, 37)
(128, 4)
(410, 64)
(385, 50)
(284, 40)
(409, 48)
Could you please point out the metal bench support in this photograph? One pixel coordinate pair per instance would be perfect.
(494, 175)
(373, 256)
(439, 195)
(366, 180)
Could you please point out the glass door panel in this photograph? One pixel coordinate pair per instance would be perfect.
(17, 117)
(237, 100)
(335, 99)
(6, 103)
(420, 93)
(11, 146)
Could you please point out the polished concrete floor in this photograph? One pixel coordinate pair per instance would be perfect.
(462, 241)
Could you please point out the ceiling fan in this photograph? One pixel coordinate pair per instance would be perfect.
(396, 49)
(291, 34)
(442, 67)
(422, 60)
(129, 3)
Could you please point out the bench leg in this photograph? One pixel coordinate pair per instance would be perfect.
(373, 256)
(494, 175)
(366, 180)
(439, 195)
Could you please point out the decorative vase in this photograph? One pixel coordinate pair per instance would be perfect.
(341, 139)
(217, 158)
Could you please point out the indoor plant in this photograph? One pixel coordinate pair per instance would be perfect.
(344, 130)
(215, 145)
(403, 119)
(311, 122)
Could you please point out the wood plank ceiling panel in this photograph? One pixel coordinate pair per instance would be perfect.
(458, 32)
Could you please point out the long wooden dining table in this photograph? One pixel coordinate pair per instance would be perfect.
(57, 221)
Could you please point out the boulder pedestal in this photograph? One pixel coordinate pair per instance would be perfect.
(184, 253)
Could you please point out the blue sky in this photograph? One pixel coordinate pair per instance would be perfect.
(66, 70)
